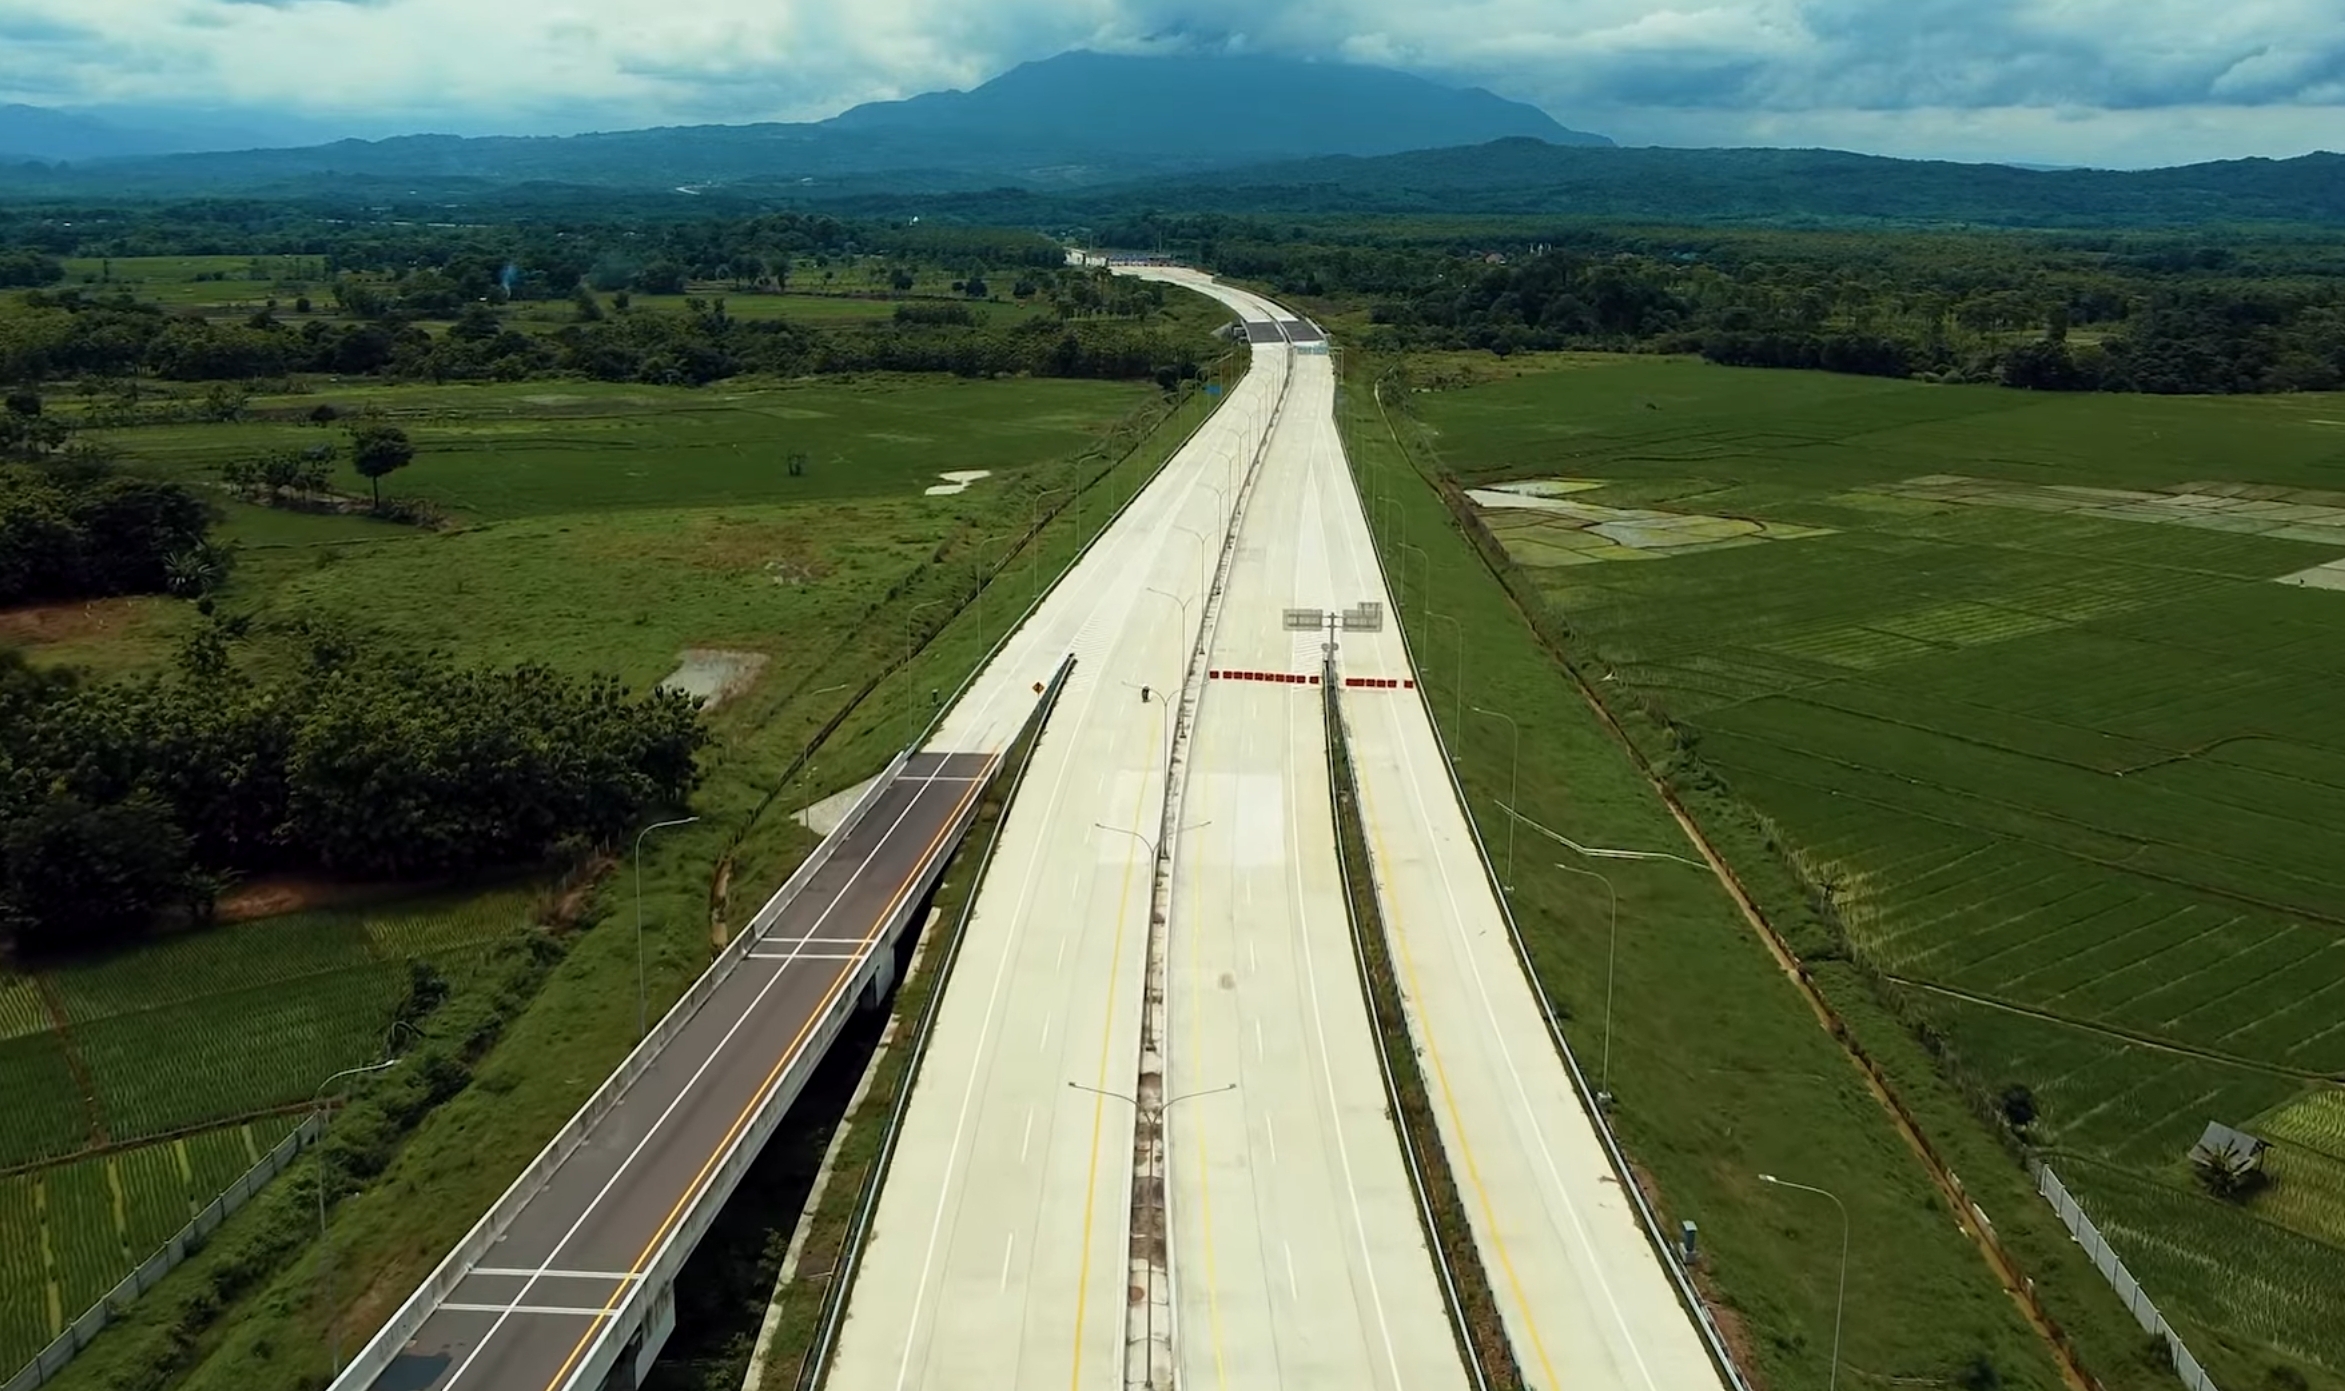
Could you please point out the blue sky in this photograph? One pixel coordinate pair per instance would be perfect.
(2117, 82)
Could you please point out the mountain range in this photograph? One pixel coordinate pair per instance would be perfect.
(1529, 177)
(1085, 138)
(1079, 118)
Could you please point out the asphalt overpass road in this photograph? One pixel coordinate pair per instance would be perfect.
(1298, 1257)
(523, 1318)
(1586, 1302)
(997, 1255)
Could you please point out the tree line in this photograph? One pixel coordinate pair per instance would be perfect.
(2073, 311)
(69, 334)
(122, 802)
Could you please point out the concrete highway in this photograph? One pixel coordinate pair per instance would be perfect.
(1584, 1297)
(1298, 1257)
(998, 1251)
(523, 1318)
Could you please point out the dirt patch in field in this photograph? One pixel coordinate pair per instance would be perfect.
(43, 624)
(1540, 523)
(2291, 514)
(2329, 576)
(714, 674)
(737, 545)
(269, 898)
(958, 481)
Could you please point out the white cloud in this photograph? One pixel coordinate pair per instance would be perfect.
(2106, 80)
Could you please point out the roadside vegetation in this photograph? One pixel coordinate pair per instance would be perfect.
(416, 558)
(2028, 781)
(617, 533)
(1718, 1071)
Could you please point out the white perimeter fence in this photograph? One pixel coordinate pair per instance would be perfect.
(188, 1240)
(2137, 1299)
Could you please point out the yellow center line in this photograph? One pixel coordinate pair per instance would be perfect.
(1457, 1126)
(1098, 1102)
(757, 1098)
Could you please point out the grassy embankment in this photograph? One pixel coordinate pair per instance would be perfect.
(1720, 1068)
(818, 574)
(2053, 769)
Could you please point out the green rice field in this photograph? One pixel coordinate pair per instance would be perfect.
(133, 1089)
(497, 451)
(191, 1030)
(70, 1232)
(2010, 678)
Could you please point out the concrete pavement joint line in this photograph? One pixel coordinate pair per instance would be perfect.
(1110, 610)
(1399, 935)
(1396, 718)
(527, 1309)
(1332, 732)
(1205, 1186)
(756, 1101)
(1106, 596)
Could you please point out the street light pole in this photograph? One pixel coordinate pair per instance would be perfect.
(333, 1320)
(1101, 825)
(1220, 504)
(1611, 962)
(1193, 826)
(1178, 665)
(909, 688)
(1142, 1111)
(1457, 716)
(1424, 591)
(1161, 1107)
(642, 996)
(1204, 548)
(1034, 533)
(1513, 784)
(1840, 1305)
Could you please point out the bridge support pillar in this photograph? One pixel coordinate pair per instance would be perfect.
(634, 1363)
(883, 977)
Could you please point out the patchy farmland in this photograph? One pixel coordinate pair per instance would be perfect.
(2010, 680)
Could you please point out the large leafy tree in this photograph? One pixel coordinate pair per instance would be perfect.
(377, 451)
